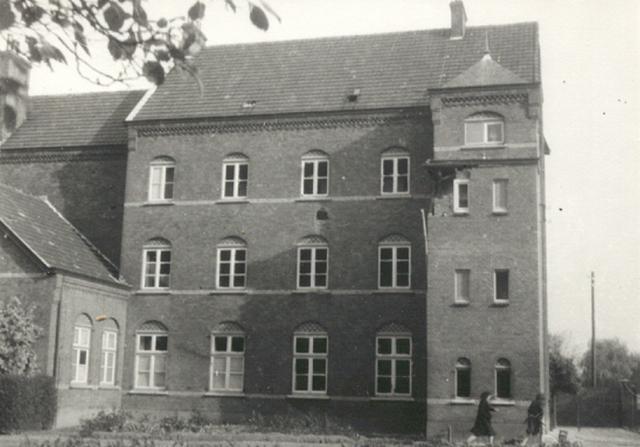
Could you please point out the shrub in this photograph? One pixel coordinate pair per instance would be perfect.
(113, 421)
(27, 403)
(18, 335)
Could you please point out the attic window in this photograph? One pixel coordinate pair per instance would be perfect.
(354, 95)
(248, 104)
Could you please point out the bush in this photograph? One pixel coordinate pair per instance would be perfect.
(27, 403)
(113, 421)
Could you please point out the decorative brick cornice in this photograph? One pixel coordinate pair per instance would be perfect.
(61, 156)
(506, 98)
(369, 120)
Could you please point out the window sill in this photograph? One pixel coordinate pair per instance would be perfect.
(392, 196)
(150, 392)
(311, 292)
(109, 387)
(308, 396)
(229, 292)
(500, 304)
(394, 290)
(313, 199)
(499, 213)
(158, 203)
(503, 402)
(460, 214)
(462, 401)
(152, 292)
(81, 386)
(231, 201)
(460, 304)
(393, 399)
(480, 146)
(223, 394)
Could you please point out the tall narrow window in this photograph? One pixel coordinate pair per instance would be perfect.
(315, 174)
(503, 379)
(109, 353)
(235, 176)
(310, 357)
(484, 129)
(161, 179)
(394, 171)
(232, 264)
(500, 195)
(461, 196)
(463, 378)
(394, 262)
(462, 285)
(393, 362)
(501, 286)
(313, 263)
(81, 349)
(156, 264)
(151, 356)
(227, 358)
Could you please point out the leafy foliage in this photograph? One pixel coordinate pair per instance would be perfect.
(18, 335)
(27, 403)
(614, 362)
(563, 374)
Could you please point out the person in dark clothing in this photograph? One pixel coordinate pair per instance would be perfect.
(534, 419)
(482, 426)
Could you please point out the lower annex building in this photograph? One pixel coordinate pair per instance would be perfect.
(353, 227)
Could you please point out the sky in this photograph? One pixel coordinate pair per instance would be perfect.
(591, 80)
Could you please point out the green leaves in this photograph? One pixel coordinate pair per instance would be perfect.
(18, 335)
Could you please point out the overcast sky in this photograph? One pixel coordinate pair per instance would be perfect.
(591, 82)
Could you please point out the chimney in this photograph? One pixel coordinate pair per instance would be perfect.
(14, 92)
(458, 19)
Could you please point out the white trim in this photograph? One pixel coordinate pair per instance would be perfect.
(460, 367)
(152, 354)
(457, 209)
(457, 299)
(495, 286)
(161, 165)
(309, 357)
(140, 104)
(312, 274)
(228, 354)
(156, 274)
(485, 121)
(395, 175)
(393, 357)
(497, 367)
(78, 348)
(499, 183)
(232, 264)
(236, 163)
(106, 352)
(315, 177)
(334, 292)
(394, 265)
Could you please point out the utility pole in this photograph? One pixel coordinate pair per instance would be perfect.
(593, 330)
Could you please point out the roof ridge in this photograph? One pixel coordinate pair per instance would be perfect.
(97, 92)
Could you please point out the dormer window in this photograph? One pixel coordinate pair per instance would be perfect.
(484, 129)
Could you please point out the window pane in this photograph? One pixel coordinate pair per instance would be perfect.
(387, 184)
(322, 186)
(302, 366)
(321, 268)
(402, 280)
(403, 346)
(151, 256)
(384, 367)
(308, 186)
(305, 267)
(384, 385)
(235, 381)
(403, 252)
(318, 383)
(219, 365)
(143, 379)
(220, 344)
(403, 166)
(305, 254)
(244, 172)
(165, 256)
(168, 191)
(225, 255)
(403, 184)
(386, 253)
(229, 172)
(387, 167)
(463, 195)
(224, 281)
(402, 385)
(462, 284)
(168, 174)
(474, 132)
(321, 281)
(82, 358)
(321, 253)
(219, 380)
(235, 365)
(158, 379)
(463, 382)
(386, 274)
(237, 344)
(225, 268)
(241, 254)
(165, 269)
(145, 343)
(323, 168)
(144, 363)
(302, 345)
(240, 267)
(301, 383)
(308, 169)
(238, 281)
(319, 366)
(228, 189)
(384, 346)
(305, 281)
(502, 284)
(503, 382)
(500, 194)
(403, 368)
(242, 189)
(161, 343)
(494, 132)
(320, 345)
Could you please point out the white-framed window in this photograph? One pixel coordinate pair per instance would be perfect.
(315, 174)
(313, 263)
(227, 358)
(463, 378)
(310, 359)
(484, 129)
(235, 177)
(151, 356)
(109, 353)
(81, 349)
(156, 264)
(393, 364)
(461, 196)
(232, 264)
(161, 179)
(394, 263)
(394, 172)
(503, 379)
(501, 285)
(462, 285)
(500, 195)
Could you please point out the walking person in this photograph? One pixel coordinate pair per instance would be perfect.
(482, 426)
(534, 420)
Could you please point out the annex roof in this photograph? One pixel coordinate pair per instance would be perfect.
(78, 120)
(49, 236)
(317, 75)
(484, 73)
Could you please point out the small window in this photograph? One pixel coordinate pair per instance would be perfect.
(109, 352)
(313, 263)
(227, 358)
(500, 195)
(315, 174)
(503, 379)
(151, 356)
(462, 285)
(394, 263)
(394, 172)
(463, 378)
(81, 349)
(235, 170)
(393, 364)
(461, 196)
(161, 179)
(232, 264)
(156, 264)
(310, 358)
(484, 129)
(501, 286)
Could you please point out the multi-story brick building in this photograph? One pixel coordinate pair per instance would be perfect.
(344, 226)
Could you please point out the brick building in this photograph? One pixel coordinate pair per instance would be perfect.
(343, 226)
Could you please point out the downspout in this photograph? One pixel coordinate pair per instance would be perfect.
(426, 318)
(57, 304)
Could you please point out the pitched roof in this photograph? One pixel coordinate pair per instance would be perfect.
(484, 73)
(316, 75)
(88, 119)
(49, 236)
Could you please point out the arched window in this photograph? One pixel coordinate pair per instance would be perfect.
(313, 263)
(227, 358)
(394, 171)
(394, 262)
(109, 352)
(232, 264)
(235, 168)
(156, 264)
(81, 349)
(151, 356)
(161, 179)
(310, 358)
(463, 378)
(393, 361)
(485, 128)
(503, 379)
(315, 174)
